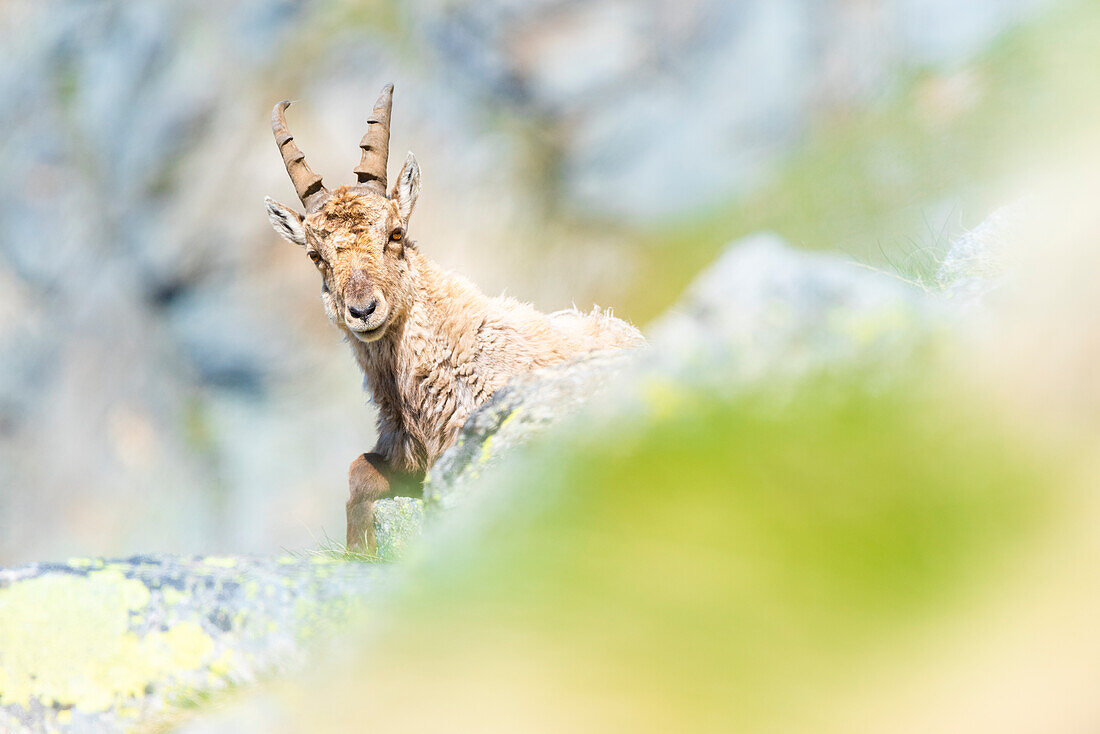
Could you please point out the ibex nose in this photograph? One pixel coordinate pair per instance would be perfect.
(363, 313)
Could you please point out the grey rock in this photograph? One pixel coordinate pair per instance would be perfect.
(665, 106)
(397, 524)
(100, 645)
(764, 309)
(227, 342)
(518, 412)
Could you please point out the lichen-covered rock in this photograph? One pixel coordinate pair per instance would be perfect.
(520, 410)
(397, 522)
(764, 309)
(97, 646)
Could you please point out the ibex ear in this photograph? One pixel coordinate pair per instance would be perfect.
(406, 188)
(286, 221)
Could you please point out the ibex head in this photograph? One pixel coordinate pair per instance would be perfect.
(354, 235)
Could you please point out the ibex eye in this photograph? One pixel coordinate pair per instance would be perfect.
(315, 257)
(397, 234)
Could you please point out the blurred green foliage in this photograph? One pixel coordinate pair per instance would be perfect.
(695, 567)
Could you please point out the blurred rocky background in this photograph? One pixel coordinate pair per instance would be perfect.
(168, 381)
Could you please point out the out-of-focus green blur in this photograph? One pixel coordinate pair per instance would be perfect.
(697, 571)
(779, 562)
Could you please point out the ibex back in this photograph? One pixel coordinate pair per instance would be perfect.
(431, 346)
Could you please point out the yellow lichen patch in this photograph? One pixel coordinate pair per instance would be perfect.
(223, 664)
(486, 450)
(511, 417)
(171, 596)
(66, 639)
(487, 445)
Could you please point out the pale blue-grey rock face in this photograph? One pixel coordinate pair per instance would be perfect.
(765, 310)
(700, 94)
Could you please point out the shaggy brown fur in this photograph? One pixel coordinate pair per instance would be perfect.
(431, 346)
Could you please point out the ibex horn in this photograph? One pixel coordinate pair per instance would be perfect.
(306, 183)
(371, 170)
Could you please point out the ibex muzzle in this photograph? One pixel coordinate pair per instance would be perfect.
(365, 307)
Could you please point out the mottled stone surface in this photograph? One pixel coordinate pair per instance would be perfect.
(97, 646)
(764, 309)
(521, 409)
(397, 523)
(607, 73)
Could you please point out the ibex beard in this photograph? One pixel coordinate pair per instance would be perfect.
(431, 346)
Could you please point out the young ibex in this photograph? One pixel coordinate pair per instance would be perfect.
(432, 348)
